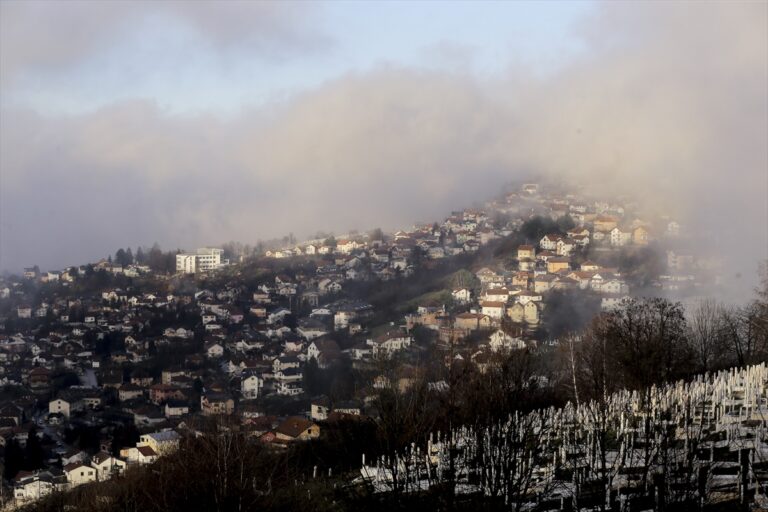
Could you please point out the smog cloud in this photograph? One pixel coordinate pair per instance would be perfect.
(669, 102)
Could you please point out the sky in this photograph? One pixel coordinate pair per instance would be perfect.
(193, 123)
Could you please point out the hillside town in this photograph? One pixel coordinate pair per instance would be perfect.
(108, 365)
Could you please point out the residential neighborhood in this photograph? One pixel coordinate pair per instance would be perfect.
(107, 366)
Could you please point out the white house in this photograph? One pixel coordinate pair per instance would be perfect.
(620, 237)
(389, 343)
(549, 242)
(78, 473)
(496, 295)
(139, 454)
(565, 246)
(33, 487)
(462, 295)
(214, 350)
(205, 259)
(107, 466)
(500, 340)
(609, 302)
(163, 442)
(250, 386)
(614, 286)
(494, 309)
(60, 406)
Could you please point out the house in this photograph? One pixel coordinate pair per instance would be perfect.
(673, 229)
(582, 278)
(78, 473)
(390, 342)
(130, 392)
(346, 246)
(31, 486)
(488, 276)
(214, 350)
(162, 442)
(283, 363)
(496, 295)
(327, 285)
(472, 321)
(462, 295)
(320, 407)
(360, 351)
(160, 393)
(139, 454)
(176, 408)
(324, 351)
(73, 456)
(526, 252)
(579, 231)
(107, 466)
(311, 328)
(556, 264)
(60, 406)
(610, 302)
(531, 313)
(517, 313)
(494, 309)
(614, 287)
(147, 415)
(521, 279)
(565, 283)
(525, 313)
(250, 385)
(296, 428)
(11, 412)
(212, 404)
(549, 242)
(589, 266)
(290, 387)
(605, 223)
(526, 264)
(349, 408)
(640, 236)
(565, 246)
(620, 236)
(500, 340)
(543, 283)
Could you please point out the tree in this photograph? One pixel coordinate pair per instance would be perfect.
(647, 340)
(745, 333)
(33, 452)
(120, 257)
(565, 223)
(376, 234)
(13, 459)
(706, 334)
(569, 311)
(536, 227)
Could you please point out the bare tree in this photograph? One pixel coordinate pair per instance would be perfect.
(706, 334)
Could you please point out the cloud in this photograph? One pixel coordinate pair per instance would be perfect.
(47, 36)
(668, 103)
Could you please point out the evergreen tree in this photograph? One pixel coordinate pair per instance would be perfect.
(33, 452)
(13, 460)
